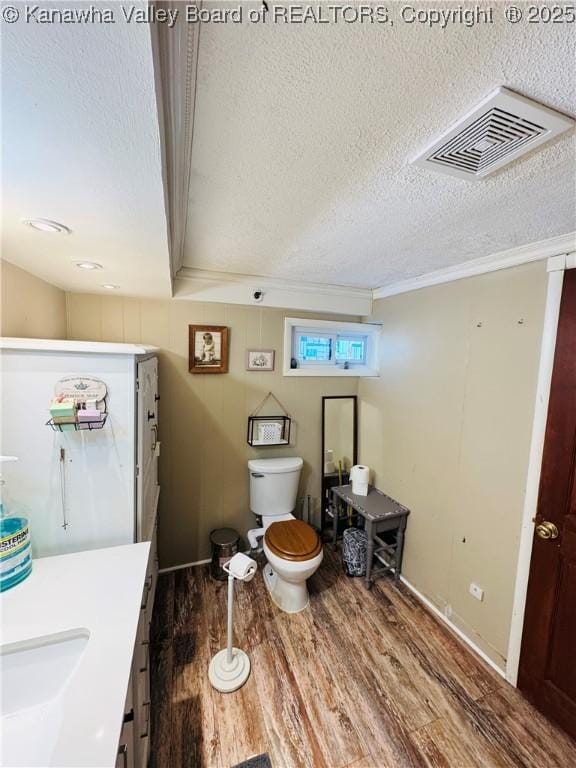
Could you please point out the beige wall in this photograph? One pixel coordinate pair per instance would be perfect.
(447, 430)
(31, 308)
(203, 418)
(446, 427)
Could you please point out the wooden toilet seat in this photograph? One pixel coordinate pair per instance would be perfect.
(293, 540)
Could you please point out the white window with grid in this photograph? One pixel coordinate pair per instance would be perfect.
(329, 348)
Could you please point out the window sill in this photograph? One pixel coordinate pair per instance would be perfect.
(324, 371)
(293, 326)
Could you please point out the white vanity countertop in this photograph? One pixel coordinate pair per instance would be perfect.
(99, 591)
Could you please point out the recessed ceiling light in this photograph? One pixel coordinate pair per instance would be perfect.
(47, 225)
(110, 286)
(88, 265)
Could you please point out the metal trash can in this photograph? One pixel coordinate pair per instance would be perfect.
(354, 545)
(224, 546)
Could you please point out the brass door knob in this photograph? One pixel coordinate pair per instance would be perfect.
(547, 530)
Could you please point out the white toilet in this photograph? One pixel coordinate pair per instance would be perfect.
(292, 547)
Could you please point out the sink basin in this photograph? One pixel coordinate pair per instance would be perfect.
(35, 674)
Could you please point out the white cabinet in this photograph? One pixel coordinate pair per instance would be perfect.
(134, 745)
(125, 755)
(148, 447)
(141, 692)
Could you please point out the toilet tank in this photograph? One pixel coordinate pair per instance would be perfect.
(274, 485)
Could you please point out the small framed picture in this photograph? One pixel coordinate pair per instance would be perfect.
(208, 349)
(260, 360)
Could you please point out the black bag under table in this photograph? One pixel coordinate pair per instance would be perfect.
(384, 522)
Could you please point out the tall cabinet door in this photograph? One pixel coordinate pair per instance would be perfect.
(148, 448)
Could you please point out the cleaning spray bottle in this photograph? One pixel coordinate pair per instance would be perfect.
(15, 549)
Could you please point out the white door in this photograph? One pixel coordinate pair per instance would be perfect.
(148, 447)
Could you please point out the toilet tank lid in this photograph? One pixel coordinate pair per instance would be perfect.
(275, 466)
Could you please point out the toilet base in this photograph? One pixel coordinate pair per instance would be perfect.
(290, 597)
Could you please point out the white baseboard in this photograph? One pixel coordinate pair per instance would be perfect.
(198, 562)
(184, 565)
(456, 630)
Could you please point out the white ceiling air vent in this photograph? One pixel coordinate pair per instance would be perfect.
(497, 131)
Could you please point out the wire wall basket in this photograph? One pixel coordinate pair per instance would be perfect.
(269, 430)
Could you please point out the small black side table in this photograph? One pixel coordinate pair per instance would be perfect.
(381, 514)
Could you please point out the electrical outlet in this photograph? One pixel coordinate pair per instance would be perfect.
(476, 591)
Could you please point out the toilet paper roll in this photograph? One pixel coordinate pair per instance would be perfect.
(329, 465)
(359, 476)
(242, 567)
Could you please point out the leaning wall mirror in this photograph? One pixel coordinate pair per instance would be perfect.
(339, 444)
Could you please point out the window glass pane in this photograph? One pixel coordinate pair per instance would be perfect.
(351, 349)
(315, 348)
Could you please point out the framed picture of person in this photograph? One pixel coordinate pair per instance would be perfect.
(208, 348)
(260, 360)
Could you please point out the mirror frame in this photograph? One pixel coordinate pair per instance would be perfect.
(354, 399)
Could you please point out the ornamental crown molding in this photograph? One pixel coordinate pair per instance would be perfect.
(175, 55)
(513, 257)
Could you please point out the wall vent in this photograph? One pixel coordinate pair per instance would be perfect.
(502, 127)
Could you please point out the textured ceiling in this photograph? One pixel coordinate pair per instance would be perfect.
(303, 135)
(80, 145)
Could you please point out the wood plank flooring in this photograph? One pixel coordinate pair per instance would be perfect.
(358, 680)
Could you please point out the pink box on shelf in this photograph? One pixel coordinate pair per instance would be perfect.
(89, 414)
